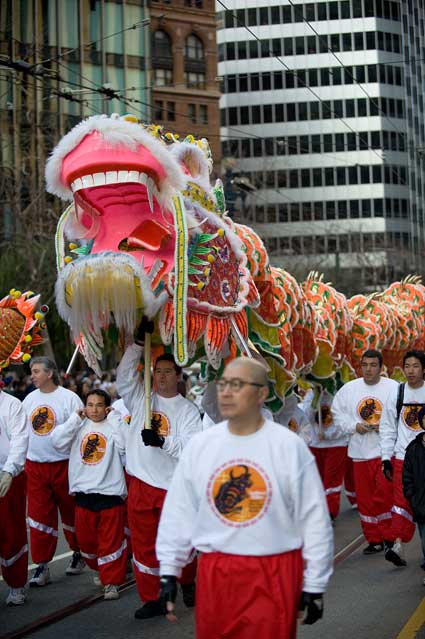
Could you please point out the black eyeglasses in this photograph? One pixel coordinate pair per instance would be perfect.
(234, 384)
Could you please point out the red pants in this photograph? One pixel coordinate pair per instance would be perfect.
(374, 500)
(402, 524)
(144, 510)
(331, 465)
(349, 485)
(47, 491)
(126, 526)
(102, 542)
(13, 534)
(241, 597)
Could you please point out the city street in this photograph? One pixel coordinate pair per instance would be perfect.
(367, 597)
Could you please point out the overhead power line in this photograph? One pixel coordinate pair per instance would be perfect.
(306, 86)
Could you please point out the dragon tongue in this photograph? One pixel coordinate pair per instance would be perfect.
(149, 235)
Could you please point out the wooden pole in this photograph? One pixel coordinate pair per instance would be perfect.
(72, 362)
(147, 374)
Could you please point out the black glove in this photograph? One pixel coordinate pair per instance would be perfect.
(151, 438)
(387, 469)
(145, 326)
(314, 604)
(168, 590)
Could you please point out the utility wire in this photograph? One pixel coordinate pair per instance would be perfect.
(306, 86)
(136, 25)
(340, 62)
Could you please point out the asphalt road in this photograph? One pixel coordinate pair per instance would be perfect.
(367, 598)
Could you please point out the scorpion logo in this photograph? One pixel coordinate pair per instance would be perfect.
(411, 416)
(156, 422)
(326, 415)
(233, 491)
(41, 419)
(91, 446)
(368, 409)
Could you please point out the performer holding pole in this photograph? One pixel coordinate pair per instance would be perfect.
(151, 457)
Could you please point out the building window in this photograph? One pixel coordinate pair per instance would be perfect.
(191, 113)
(203, 113)
(194, 63)
(161, 45)
(158, 108)
(162, 77)
(162, 59)
(194, 49)
(171, 111)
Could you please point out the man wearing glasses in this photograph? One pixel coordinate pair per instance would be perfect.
(247, 495)
(151, 457)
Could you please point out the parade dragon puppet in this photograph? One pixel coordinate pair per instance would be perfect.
(146, 234)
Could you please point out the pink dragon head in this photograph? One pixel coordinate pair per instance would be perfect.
(146, 228)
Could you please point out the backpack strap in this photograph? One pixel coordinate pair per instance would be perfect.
(400, 399)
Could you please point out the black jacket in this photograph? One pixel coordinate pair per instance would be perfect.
(414, 477)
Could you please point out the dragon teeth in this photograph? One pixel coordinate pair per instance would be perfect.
(99, 179)
(155, 268)
(117, 177)
(111, 177)
(150, 187)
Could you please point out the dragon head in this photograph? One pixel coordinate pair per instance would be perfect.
(146, 231)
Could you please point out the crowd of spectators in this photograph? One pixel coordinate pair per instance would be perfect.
(80, 382)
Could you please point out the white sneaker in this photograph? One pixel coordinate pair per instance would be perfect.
(16, 597)
(76, 564)
(41, 576)
(111, 592)
(96, 580)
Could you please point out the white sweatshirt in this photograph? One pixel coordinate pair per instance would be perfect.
(122, 409)
(396, 436)
(332, 436)
(13, 435)
(291, 416)
(45, 411)
(255, 495)
(177, 417)
(207, 421)
(94, 448)
(357, 402)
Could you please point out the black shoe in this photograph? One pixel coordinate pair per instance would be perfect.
(151, 609)
(393, 554)
(423, 565)
(372, 549)
(188, 592)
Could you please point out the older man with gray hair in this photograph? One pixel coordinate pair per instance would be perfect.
(248, 496)
(47, 470)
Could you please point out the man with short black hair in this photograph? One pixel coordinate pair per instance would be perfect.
(248, 496)
(357, 410)
(47, 470)
(92, 438)
(399, 426)
(151, 457)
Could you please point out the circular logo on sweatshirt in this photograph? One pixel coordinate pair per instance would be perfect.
(93, 448)
(370, 410)
(292, 425)
(326, 413)
(409, 415)
(239, 492)
(43, 420)
(160, 424)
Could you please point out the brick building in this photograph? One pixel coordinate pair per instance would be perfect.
(185, 94)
